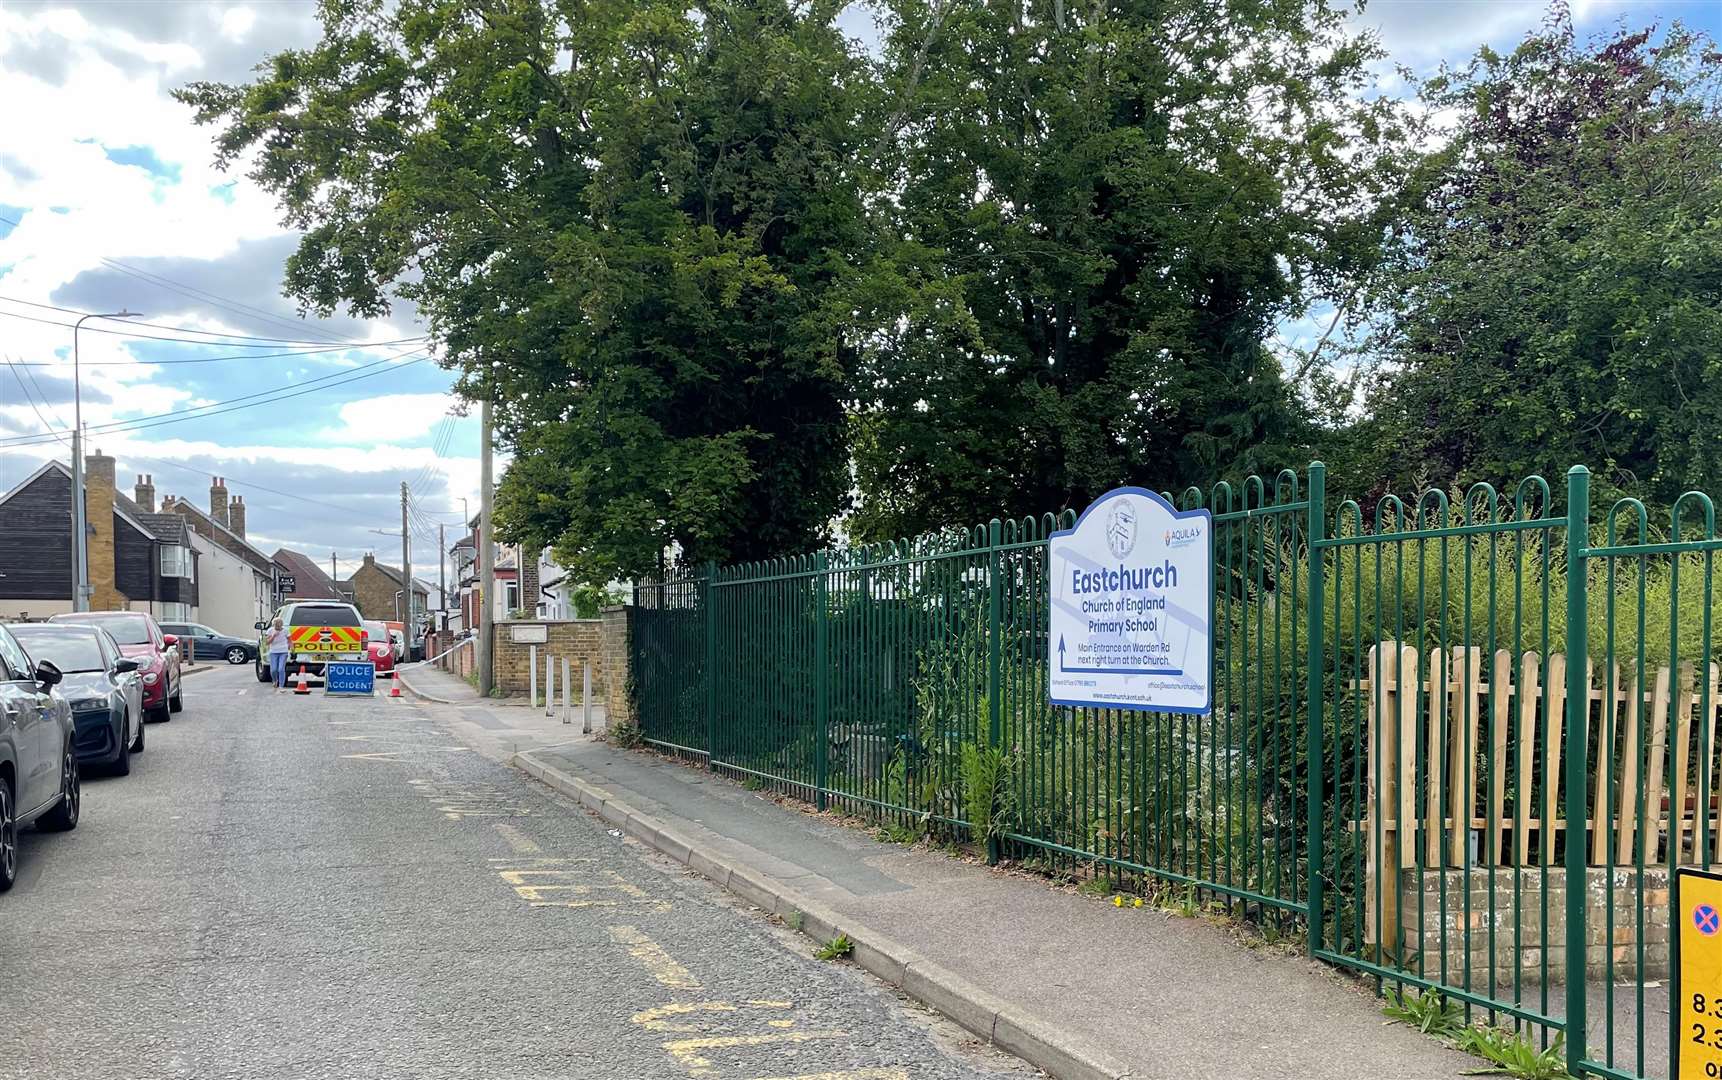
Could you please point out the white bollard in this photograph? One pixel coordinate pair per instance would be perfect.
(586, 700)
(549, 684)
(567, 693)
(532, 676)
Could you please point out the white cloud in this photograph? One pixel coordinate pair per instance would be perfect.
(389, 418)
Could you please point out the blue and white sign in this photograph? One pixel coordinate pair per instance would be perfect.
(349, 678)
(1131, 588)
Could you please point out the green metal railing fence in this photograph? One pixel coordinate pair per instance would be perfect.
(1400, 757)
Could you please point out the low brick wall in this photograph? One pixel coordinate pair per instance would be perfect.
(618, 623)
(579, 640)
(1521, 937)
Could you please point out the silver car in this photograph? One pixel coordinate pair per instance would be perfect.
(38, 762)
(102, 686)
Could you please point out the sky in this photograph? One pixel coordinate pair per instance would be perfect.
(110, 199)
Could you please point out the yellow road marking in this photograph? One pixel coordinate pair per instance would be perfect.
(847, 1074)
(662, 966)
(658, 1019)
(517, 840)
(688, 1051)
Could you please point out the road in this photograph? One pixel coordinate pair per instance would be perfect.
(316, 887)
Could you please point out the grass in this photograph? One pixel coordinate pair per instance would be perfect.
(835, 949)
(1099, 885)
(897, 833)
(794, 920)
(753, 783)
(1428, 1012)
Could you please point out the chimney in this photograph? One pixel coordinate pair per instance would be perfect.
(236, 516)
(218, 499)
(144, 493)
(99, 519)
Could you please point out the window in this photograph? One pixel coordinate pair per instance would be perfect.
(176, 611)
(175, 561)
(13, 658)
(510, 595)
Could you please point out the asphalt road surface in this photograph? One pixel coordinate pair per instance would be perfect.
(321, 887)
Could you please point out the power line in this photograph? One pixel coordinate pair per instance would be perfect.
(193, 329)
(254, 484)
(44, 420)
(164, 419)
(243, 343)
(318, 351)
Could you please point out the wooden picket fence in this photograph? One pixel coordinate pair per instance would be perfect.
(1466, 759)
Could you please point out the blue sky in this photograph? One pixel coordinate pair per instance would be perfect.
(119, 204)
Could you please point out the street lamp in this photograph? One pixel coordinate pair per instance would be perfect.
(81, 584)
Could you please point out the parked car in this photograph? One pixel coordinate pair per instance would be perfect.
(397, 639)
(200, 642)
(39, 779)
(379, 648)
(157, 655)
(101, 685)
(326, 630)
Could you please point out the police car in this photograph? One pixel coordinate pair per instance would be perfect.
(320, 631)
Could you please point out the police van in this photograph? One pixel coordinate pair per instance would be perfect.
(319, 631)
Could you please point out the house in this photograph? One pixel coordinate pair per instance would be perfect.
(376, 589)
(139, 560)
(300, 578)
(236, 583)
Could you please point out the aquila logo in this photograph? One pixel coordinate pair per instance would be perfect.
(1121, 528)
(1177, 538)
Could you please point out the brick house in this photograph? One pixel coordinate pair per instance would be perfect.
(376, 588)
(300, 578)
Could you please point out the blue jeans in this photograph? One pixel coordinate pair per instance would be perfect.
(278, 668)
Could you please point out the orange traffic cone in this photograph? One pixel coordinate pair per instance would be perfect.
(394, 689)
(304, 686)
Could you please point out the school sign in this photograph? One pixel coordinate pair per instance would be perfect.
(1131, 589)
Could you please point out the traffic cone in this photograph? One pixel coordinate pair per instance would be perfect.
(304, 686)
(395, 687)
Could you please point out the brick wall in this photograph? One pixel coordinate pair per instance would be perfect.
(99, 518)
(577, 639)
(618, 623)
(1518, 909)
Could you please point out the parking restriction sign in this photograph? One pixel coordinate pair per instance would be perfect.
(1698, 973)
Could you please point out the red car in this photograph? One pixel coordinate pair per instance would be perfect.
(141, 639)
(379, 648)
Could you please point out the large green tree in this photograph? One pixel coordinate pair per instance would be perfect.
(1098, 213)
(623, 218)
(1555, 295)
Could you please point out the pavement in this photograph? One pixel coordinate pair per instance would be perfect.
(1077, 986)
(310, 887)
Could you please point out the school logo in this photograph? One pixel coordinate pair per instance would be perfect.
(1121, 528)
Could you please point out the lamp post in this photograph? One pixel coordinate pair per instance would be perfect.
(81, 545)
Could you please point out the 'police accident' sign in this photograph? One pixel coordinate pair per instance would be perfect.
(1131, 587)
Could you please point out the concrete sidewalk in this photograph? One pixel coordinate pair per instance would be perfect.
(498, 728)
(1072, 984)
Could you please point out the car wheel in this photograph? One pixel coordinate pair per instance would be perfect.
(158, 715)
(262, 673)
(123, 763)
(138, 743)
(8, 837)
(236, 655)
(175, 703)
(64, 816)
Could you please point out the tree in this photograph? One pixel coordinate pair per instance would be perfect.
(1098, 215)
(621, 217)
(1556, 294)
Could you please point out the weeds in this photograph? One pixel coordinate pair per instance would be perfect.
(897, 833)
(753, 783)
(1511, 1054)
(794, 920)
(625, 736)
(835, 949)
(986, 791)
(1100, 885)
(1428, 1012)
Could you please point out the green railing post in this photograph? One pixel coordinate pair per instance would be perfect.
(821, 683)
(710, 597)
(1315, 752)
(995, 608)
(1578, 719)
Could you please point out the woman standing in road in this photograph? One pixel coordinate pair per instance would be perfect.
(277, 640)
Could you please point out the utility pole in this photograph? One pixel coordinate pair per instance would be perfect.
(335, 573)
(486, 558)
(406, 565)
(441, 577)
(80, 528)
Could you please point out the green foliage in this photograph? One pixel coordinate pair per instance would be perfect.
(986, 789)
(835, 949)
(794, 920)
(1550, 297)
(1098, 885)
(1096, 217)
(590, 600)
(624, 736)
(753, 783)
(1427, 1011)
(897, 833)
(1512, 1054)
(623, 221)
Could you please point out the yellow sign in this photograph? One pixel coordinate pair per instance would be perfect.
(1698, 974)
